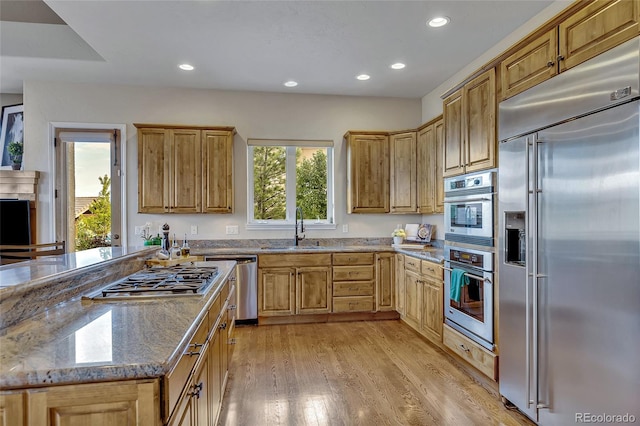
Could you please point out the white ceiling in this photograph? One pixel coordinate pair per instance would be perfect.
(253, 45)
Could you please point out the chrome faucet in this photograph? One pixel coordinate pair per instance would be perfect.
(298, 238)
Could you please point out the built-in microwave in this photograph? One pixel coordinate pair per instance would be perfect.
(468, 208)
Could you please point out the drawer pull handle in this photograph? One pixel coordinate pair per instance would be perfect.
(223, 326)
(232, 307)
(232, 278)
(191, 353)
(464, 348)
(232, 341)
(197, 345)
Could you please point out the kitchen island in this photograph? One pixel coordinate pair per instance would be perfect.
(81, 358)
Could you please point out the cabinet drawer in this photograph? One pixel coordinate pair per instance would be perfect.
(471, 352)
(294, 260)
(353, 304)
(412, 263)
(432, 269)
(352, 273)
(353, 288)
(178, 377)
(353, 258)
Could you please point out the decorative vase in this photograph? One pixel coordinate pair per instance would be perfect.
(397, 240)
(16, 162)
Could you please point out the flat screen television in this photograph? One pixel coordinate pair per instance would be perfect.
(15, 223)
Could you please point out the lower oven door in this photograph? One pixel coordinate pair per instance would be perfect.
(473, 313)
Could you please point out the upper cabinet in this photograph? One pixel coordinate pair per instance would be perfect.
(470, 126)
(591, 30)
(430, 145)
(185, 169)
(367, 172)
(403, 173)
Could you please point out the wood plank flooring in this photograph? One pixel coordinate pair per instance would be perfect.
(351, 373)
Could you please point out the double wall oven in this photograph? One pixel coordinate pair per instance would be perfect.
(469, 239)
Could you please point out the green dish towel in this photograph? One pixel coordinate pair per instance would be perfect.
(458, 280)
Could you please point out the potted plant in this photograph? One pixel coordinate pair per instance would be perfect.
(15, 152)
(398, 235)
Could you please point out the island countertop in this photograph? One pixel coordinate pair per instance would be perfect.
(83, 341)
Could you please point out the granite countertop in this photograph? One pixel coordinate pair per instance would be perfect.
(432, 254)
(86, 341)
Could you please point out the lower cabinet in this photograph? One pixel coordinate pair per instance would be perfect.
(400, 285)
(276, 291)
(422, 287)
(313, 288)
(133, 403)
(385, 279)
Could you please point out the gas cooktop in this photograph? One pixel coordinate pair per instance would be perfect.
(181, 280)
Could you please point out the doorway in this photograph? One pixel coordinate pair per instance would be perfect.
(89, 186)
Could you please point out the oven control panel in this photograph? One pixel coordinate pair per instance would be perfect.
(466, 257)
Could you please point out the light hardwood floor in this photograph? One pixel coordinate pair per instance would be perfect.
(351, 373)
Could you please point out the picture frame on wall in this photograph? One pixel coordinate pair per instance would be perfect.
(12, 131)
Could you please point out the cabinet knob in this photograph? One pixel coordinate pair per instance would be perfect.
(223, 326)
(464, 348)
(560, 58)
(550, 64)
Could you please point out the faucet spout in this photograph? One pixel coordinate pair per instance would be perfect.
(297, 237)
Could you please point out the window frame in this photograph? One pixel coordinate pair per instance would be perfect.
(290, 186)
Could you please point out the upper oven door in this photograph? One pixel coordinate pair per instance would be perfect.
(470, 215)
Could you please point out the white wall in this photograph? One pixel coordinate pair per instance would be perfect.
(10, 99)
(432, 102)
(255, 115)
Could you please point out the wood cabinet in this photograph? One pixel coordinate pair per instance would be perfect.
(470, 126)
(400, 285)
(276, 291)
(385, 280)
(112, 403)
(12, 408)
(423, 291)
(471, 352)
(430, 183)
(403, 179)
(595, 28)
(294, 284)
(354, 285)
(367, 172)
(185, 170)
(314, 290)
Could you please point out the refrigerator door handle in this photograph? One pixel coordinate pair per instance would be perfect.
(534, 262)
(527, 302)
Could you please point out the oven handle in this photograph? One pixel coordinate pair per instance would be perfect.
(465, 200)
(470, 275)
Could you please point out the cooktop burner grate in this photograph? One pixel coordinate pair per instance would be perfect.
(173, 280)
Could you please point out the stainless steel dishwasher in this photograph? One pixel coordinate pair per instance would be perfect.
(246, 286)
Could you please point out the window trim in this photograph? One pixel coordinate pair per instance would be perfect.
(290, 185)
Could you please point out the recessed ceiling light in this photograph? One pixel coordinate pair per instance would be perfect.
(291, 83)
(439, 21)
(185, 67)
(363, 77)
(398, 66)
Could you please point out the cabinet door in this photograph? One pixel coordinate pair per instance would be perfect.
(385, 282)
(453, 137)
(426, 173)
(217, 171)
(12, 409)
(413, 298)
(200, 390)
(368, 163)
(314, 290)
(186, 171)
(276, 291)
(479, 102)
(403, 191)
(153, 171)
(533, 64)
(597, 28)
(432, 310)
(107, 404)
(439, 180)
(185, 412)
(400, 285)
(216, 371)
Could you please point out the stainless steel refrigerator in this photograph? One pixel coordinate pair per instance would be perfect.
(569, 244)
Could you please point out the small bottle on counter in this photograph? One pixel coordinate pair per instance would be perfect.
(175, 250)
(186, 250)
